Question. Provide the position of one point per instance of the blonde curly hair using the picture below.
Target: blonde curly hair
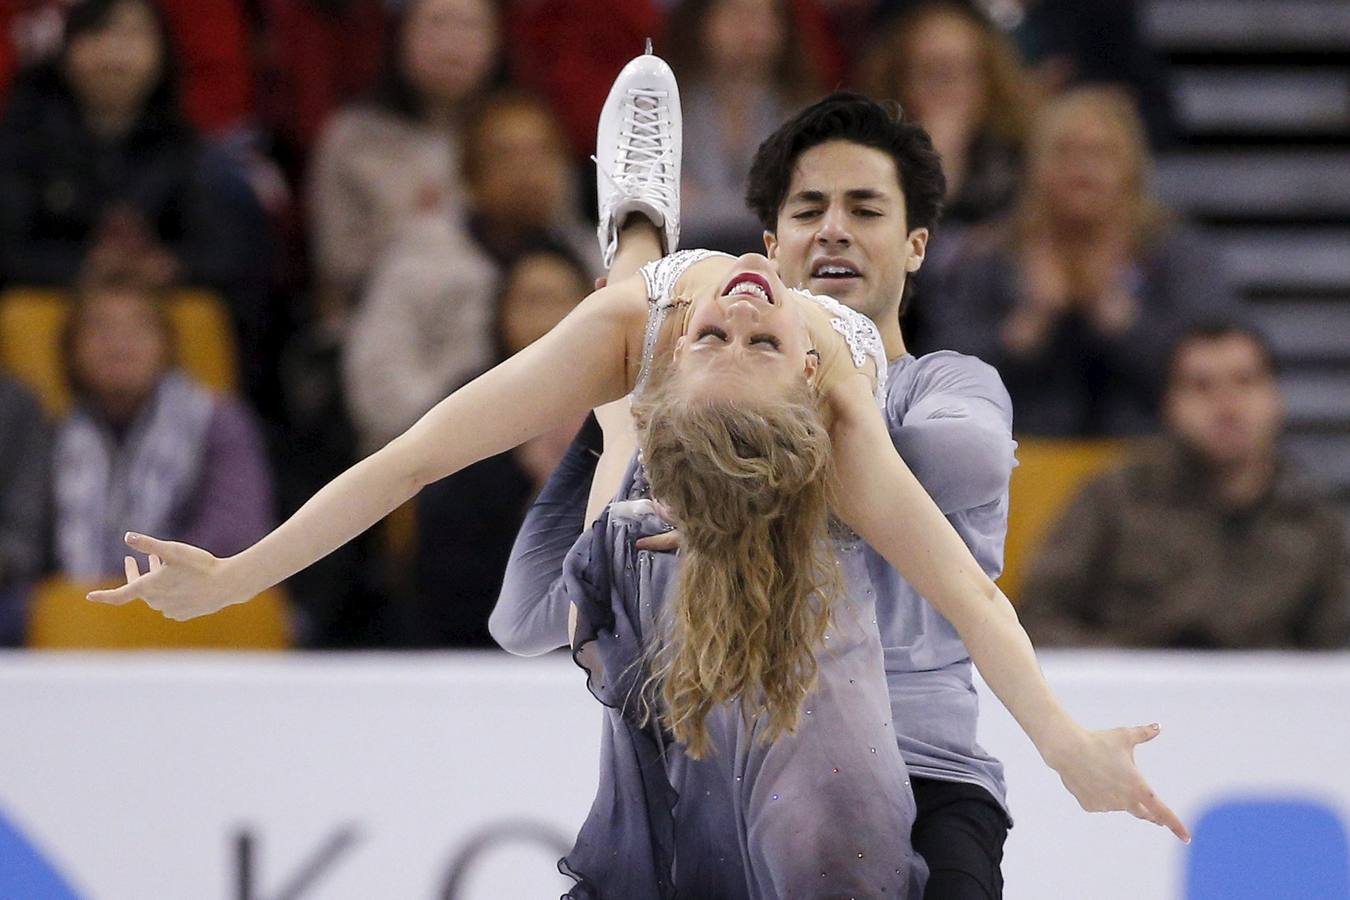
(749, 483)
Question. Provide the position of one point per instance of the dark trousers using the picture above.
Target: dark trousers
(959, 831)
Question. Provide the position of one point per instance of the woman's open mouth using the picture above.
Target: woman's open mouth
(750, 284)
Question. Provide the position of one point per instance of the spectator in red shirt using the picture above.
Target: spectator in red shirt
(210, 38)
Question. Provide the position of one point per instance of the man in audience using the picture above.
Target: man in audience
(1209, 539)
(25, 451)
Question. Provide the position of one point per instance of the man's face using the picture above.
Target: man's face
(842, 230)
(1223, 400)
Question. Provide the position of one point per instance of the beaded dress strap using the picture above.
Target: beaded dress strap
(660, 277)
(861, 335)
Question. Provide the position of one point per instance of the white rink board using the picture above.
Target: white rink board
(1234, 725)
(135, 773)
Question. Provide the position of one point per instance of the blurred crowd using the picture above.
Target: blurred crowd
(385, 197)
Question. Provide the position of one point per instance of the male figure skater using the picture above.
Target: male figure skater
(848, 191)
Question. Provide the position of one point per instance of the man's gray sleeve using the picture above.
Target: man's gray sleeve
(953, 427)
(530, 617)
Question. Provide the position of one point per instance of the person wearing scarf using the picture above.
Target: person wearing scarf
(145, 446)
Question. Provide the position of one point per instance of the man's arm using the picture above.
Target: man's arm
(530, 617)
(956, 434)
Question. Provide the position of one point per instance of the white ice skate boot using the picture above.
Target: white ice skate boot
(637, 152)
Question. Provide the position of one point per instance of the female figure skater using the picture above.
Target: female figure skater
(750, 750)
(763, 399)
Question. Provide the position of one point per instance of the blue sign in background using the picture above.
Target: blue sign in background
(1269, 848)
(25, 873)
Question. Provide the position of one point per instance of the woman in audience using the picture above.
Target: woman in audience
(742, 71)
(144, 443)
(961, 80)
(423, 325)
(381, 162)
(1076, 297)
(94, 141)
(466, 523)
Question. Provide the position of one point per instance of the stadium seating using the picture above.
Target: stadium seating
(32, 320)
(1048, 474)
(61, 618)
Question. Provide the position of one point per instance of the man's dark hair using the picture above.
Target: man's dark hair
(848, 116)
(1218, 329)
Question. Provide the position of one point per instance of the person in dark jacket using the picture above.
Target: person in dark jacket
(25, 452)
(94, 149)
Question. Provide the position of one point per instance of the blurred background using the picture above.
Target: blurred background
(244, 243)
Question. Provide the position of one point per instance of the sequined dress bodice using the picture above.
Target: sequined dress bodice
(827, 319)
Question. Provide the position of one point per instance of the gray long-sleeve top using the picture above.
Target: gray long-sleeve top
(530, 617)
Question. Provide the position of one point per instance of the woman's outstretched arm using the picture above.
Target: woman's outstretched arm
(880, 499)
(580, 364)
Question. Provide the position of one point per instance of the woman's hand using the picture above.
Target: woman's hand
(1045, 298)
(1098, 769)
(183, 581)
